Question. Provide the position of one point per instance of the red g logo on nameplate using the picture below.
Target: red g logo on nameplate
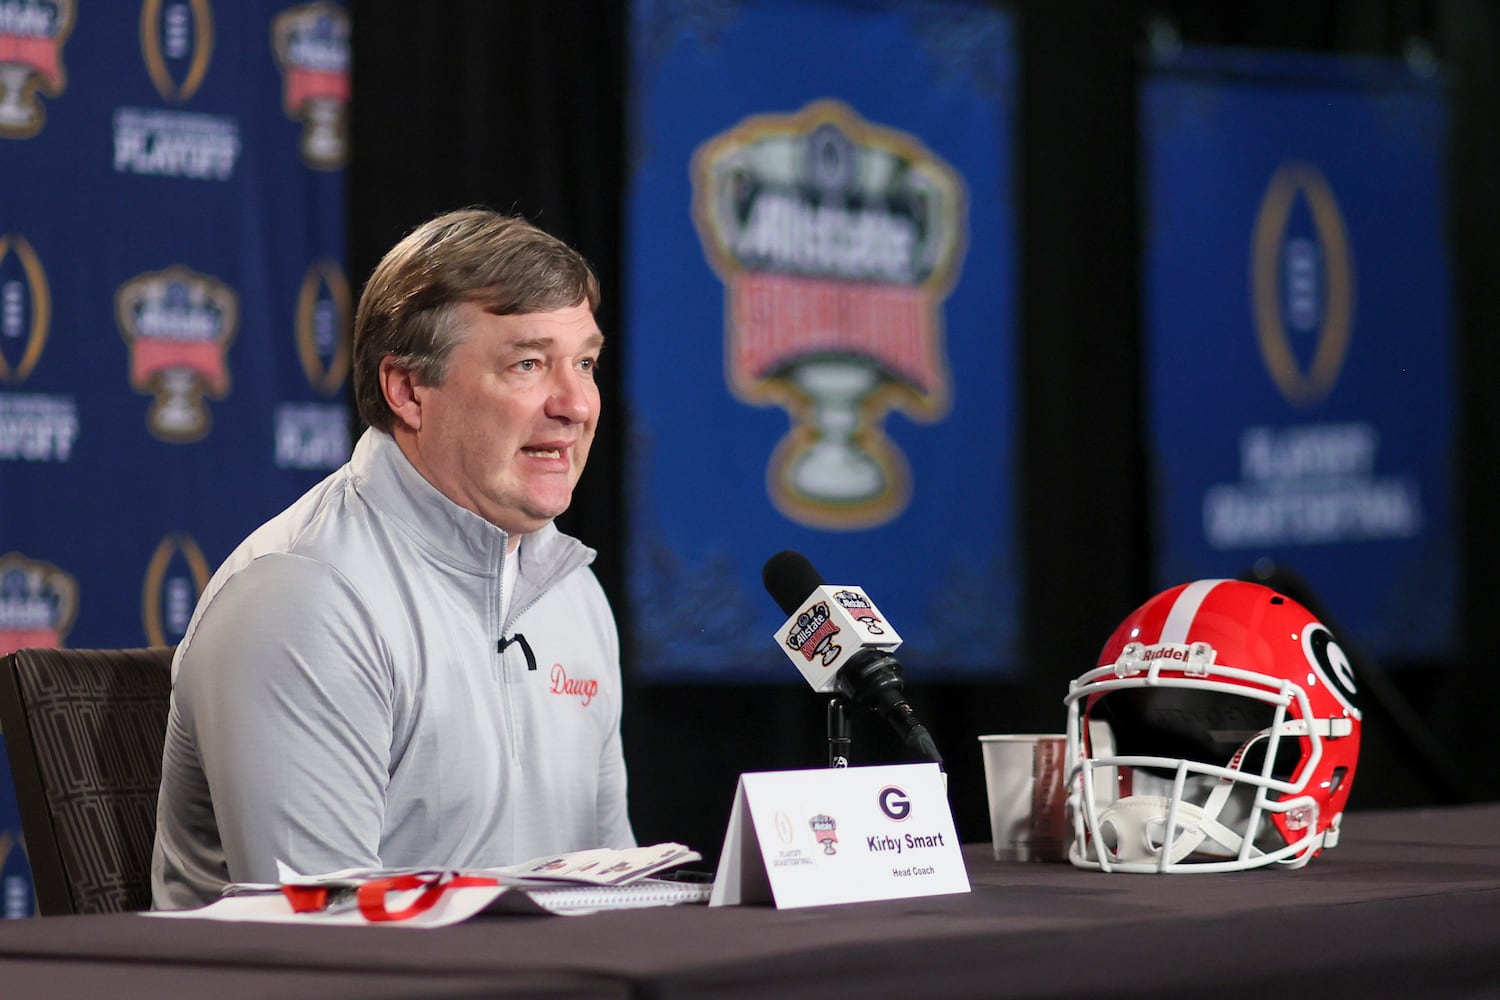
(32, 33)
(178, 324)
(837, 241)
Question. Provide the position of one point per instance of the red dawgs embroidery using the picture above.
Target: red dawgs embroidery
(562, 684)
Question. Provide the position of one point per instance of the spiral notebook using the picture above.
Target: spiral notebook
(575, 900)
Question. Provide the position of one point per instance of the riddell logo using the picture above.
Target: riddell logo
(1165, 653)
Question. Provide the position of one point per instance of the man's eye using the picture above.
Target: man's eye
(529, 365)
(588, 364)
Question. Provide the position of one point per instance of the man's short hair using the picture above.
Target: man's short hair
(408, 310)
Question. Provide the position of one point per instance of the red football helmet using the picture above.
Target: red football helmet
(1218, 733)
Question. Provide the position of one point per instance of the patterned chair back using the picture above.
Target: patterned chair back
(84, 730)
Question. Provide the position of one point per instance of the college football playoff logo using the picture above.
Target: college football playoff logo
(175, 577)
(25, 308)
(177, 42)
(1302, 275)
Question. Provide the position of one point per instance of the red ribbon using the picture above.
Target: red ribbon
(371, 895)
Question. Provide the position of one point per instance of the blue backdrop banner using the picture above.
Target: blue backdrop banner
(1299, 354)
(174, 312)
(820, 328)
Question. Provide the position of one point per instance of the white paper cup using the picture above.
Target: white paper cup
(1023, 774)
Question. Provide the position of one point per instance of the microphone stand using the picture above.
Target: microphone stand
(839, 739)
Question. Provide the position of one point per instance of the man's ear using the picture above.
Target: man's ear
(402, 388)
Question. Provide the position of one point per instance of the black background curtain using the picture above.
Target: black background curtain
(522, 106)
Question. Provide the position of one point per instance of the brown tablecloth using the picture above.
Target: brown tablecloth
(1408, 904)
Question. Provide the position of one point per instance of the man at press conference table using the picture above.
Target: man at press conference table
(411, 666)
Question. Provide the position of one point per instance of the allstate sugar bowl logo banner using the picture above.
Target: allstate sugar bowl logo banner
(1299, 375)
(836, 242)
(822, 324)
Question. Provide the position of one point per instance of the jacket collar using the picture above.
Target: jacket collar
(386, 479)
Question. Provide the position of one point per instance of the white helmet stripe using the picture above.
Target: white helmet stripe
(1184, 610)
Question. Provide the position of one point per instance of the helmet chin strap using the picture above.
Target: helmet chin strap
(1138, 825)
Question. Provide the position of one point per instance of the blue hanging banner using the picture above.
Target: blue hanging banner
(174, 312)
(820, 327)
(1299, 351)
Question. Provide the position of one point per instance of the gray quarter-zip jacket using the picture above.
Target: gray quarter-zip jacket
(341, 697)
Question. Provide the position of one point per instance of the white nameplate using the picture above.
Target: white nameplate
(839, 835)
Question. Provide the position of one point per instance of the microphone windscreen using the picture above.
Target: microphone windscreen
(790, 578)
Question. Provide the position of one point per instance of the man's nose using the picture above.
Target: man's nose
(572, 397)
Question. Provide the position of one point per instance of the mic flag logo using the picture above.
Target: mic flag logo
(177, 42)
(1302, 283)
(175, 577)
(23, 290)
(178, 324)
(32, 33)
(311, 44)
(38, 603)
(860, 609)
(837, 241)
(812, 635)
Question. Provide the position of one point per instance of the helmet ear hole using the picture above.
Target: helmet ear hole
(1108, 838)
(1337, 779)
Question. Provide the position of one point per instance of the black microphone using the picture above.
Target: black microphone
(840, 642)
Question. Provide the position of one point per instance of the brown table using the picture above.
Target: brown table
(1408, 905)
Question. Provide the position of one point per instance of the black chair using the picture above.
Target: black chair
(84, 730)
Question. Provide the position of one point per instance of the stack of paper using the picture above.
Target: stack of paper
(575, 883)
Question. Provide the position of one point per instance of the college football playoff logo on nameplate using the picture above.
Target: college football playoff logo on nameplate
(837, 241)
(178, 324)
